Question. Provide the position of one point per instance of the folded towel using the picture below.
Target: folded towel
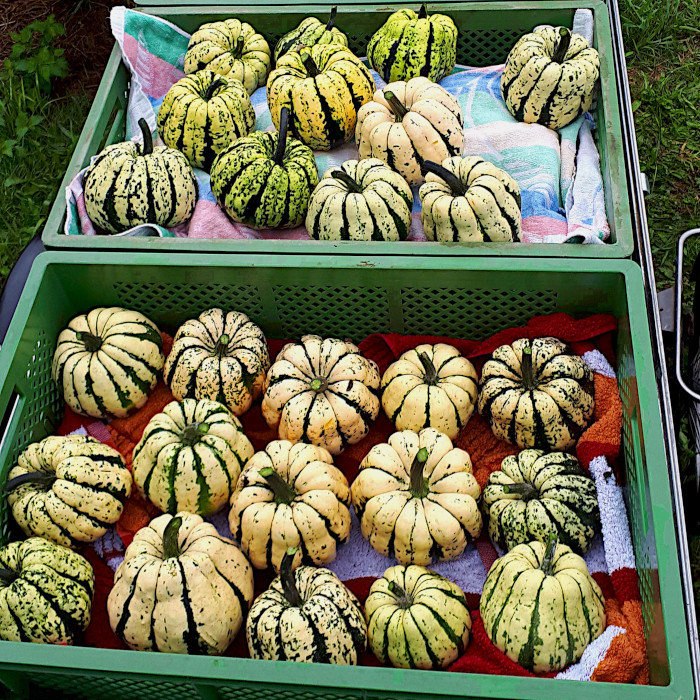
(558, 172)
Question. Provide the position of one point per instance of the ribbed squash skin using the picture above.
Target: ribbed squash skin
(114, 379)
(436, 392)
(84, 499)
(313, 516)
(311, 31)
(321, 391)
(190, 457)
(125, 187)
(431, 129)
(535, 495)
(328, 628)
(416, 619)
(323, 108)
(204, 113)
(217, 47)
(548, 410)
(485, 209)
(379, 211)
(543, 622)
(192, 603)
(201, 366)
(255, 190)
(49, 600)
(538, 89)
(417, 523)
(408, 46)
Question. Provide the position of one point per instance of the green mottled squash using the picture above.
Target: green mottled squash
(416, 619)
(467, 199)
(265, 180)
(310, 32)
(130, 184)
(231, 48)
(549, 77)
(106, 362)
(535, 495)
(412, 44)
(306, 615)
(45, 592)
(537, 393)
(204, 113)
(322, 87)
(541, 607)
(190, 457)
(360, 201)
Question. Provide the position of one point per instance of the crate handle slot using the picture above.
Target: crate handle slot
(679, 306)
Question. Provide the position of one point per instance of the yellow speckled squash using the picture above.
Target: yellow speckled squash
(431, 386)
(416, 498)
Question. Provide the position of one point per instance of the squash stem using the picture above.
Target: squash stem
(213, 86)
(237, 50)
(562, 45)
(331, 19)
(193, 433)
(7, 576)
(419, 487)
(147, 137)
(31, 478)
(348, 181)
(402, 598)
(526, 369)
(284, 493)
(397, 107)
(318, 384)
(458, 188)
(222, 345)
(288, 580)
(310, 65)
(548, 559)
(92, 342)
(171, 548)
(423, 12)
(282, 136)
(428, 368)
(526, 491)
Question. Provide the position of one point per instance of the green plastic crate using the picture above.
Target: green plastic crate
(348, 297)
(487, 31)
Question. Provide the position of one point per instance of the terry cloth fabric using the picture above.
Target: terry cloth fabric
(558, 172)
(618, 655)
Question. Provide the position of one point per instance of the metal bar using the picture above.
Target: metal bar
(644, 257)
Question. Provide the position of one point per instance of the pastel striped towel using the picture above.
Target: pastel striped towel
(558, 172)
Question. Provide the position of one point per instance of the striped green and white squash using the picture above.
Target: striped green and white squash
(130, 184)
(322, 87)
(535, 495)
(231, 48)
(549, 77)
(430, 386)
(190, 457)
(321, 391)
(290, 495)
(45, 592)
(310, 32)
(106, 362)
(218, 356)
(265, 180)
(306, 615)
(537, 393)
(541, 607)
(360, 201)
(407, 123)
(416, 498)
(416, 619)
(182, 588)
(467, 199)
(204, 113)
(412, 44)
(68, 489)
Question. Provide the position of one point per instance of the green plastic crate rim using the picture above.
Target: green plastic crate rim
(346, 297)
(488, 30)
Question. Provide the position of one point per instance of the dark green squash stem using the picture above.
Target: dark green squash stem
(428, 368)
(171, 548)
(213, 87)
(526, 491)
(310, 64)
(193, 433)
(348, 181)
(288, 580)
(284, 493)
(562, 45)
(147, 137)
(526, 369)
(282, 136)
(423, 12)
(397, 107)
(222, 345)
(402, 598)
(44, 480)
(548, 559)
(92, 342)
(237, 50)
(318, 384)
(419, 487)
(458, 188)
(331, 19)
